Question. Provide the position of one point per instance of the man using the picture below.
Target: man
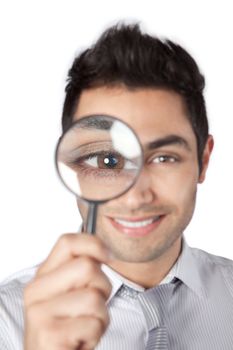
(136, 284)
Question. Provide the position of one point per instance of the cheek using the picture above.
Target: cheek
(175, 185)
(176, 188)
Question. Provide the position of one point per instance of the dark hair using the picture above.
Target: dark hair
(124, 55)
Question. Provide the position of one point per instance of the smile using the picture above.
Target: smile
(142, 223)
(135, 227)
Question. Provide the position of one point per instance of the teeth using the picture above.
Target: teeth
(136, 223)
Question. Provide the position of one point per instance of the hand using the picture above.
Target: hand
(65, 304)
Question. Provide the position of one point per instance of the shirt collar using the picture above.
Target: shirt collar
(187, 268)
(118, 280)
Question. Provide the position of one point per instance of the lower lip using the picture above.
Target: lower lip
(137, 231)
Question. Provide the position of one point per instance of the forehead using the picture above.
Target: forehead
(152, 113)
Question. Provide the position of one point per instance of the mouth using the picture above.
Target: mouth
(136, 227)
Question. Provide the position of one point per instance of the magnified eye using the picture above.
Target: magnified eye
(109, 161)
(105, 161)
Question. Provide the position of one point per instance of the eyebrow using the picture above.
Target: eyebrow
(167, 141)
(95, 122)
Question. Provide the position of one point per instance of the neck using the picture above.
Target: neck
(151, 273)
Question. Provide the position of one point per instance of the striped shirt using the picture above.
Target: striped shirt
(199, 313)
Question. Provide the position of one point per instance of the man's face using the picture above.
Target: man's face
(144, 223)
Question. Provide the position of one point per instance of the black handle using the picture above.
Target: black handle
(91, 218)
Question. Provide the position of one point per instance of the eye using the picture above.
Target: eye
(164, 159)
(109, 161)
(105, 161)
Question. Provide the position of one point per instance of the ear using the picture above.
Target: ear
(206, 157)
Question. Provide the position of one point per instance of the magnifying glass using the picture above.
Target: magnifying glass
(98, 158)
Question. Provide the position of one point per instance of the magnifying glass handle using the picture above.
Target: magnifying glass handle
(91, 218)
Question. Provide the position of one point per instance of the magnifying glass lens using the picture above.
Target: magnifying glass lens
(99, 158)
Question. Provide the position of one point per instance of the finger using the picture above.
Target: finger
(77, 273)
(81, 333)
(83, 302)
(72, 333)
(73, 245)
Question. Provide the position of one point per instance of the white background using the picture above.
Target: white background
(38, 42)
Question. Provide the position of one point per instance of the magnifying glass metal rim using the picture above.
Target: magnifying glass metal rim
(113, 118)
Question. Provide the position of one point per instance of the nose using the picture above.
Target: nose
(141, 193)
